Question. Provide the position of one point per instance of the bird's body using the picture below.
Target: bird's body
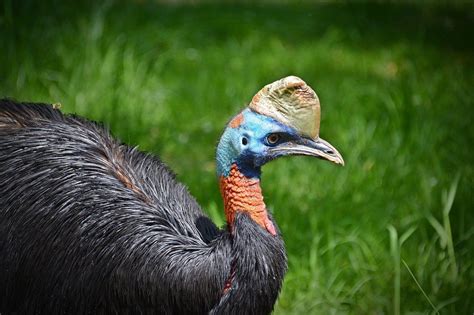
(91, 226)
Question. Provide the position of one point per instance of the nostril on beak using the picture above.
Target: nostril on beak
(329, 151)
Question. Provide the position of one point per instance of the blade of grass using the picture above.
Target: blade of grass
(448, 204)
(419, 287)
(395, 252)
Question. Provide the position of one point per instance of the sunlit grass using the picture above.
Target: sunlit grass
(395, 84)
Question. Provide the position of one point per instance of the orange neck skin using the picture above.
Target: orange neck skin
(242, 194)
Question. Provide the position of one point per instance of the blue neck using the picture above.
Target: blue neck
(227, 155)
(229, 151)
(249, 171)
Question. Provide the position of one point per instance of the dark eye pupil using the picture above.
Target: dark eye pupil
(244, 141)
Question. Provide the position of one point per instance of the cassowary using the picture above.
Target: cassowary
(91, 226)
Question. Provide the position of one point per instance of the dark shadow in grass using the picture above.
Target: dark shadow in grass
(366, 25)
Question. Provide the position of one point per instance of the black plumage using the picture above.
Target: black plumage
(91, 226)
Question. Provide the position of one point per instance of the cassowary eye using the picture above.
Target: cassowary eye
(244, 141)
(273, 138)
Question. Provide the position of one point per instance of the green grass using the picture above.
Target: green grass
(392, 231)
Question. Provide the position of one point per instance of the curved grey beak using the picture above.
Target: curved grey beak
(318, 148)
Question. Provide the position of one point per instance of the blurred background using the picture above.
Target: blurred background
(389, 233)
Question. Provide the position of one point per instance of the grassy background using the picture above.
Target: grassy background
(392, 231)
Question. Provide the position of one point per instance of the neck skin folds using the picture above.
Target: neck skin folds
(244, 194)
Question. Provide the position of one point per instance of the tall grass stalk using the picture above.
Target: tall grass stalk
(395, 251)
(435, 309)
(448, 199)
(444, 230)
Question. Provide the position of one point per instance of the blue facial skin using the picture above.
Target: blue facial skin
(247, 145)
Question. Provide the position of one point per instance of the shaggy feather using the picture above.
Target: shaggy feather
(89, 226)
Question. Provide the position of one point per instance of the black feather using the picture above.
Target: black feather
(91, 226)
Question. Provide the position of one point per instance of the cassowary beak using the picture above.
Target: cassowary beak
(318, 148)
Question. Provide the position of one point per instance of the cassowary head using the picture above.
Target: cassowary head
(281, 120)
